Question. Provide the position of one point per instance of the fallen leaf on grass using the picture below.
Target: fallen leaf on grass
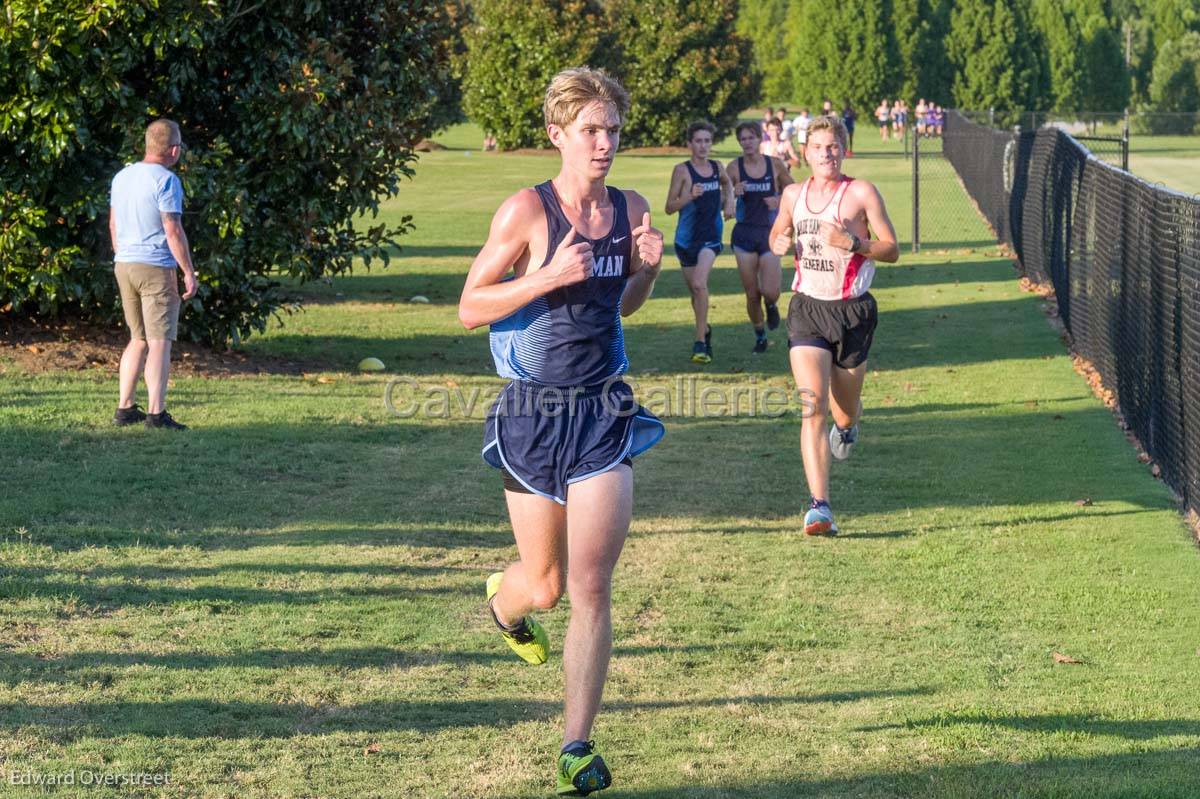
(1059, 657)
(373, 749)
(325, 380)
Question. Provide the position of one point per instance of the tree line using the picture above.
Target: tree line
(1010, 55)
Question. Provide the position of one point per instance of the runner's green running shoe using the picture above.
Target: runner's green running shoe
(581, 771)
(529, 639)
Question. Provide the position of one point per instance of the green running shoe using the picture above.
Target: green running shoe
(580, 774)
(529, 639)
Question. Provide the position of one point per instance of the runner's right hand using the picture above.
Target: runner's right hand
(572, 263)
(697, 191)
(782, 243)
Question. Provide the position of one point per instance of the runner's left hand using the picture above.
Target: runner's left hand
(649, 243)
(836, 236)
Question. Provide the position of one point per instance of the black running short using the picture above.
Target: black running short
(844, 327)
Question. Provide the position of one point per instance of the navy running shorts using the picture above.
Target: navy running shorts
(548, 437)
(844, 327)
(690, 256)
(751, 238)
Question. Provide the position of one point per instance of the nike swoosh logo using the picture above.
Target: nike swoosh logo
(618, 241)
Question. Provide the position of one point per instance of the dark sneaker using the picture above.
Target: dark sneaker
(700, 353)
(126, 416)
(164, 421)
(760, 346)
(772, 316)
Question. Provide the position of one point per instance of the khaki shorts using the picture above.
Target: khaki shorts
(150, 297)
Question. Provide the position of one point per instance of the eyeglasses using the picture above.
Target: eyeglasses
(182, 147)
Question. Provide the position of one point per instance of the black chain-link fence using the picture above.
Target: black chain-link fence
(1124, 259)
(944, 216)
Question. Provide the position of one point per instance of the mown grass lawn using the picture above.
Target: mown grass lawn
(286, 601)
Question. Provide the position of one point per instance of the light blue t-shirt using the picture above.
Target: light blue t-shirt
(141, 192)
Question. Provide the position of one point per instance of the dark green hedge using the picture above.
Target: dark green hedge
(301, 116)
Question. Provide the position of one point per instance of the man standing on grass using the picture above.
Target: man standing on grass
(840, 228)
(149, 244)
(563, 262)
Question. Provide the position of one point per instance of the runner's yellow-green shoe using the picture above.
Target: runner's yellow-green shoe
(581, 770)
(528, 640)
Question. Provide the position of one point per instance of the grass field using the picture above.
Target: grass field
(286, 601)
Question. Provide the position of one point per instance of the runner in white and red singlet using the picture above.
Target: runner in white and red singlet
(840, 228)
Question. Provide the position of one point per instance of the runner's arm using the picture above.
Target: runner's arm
(883, 246)
(783, 175)
(728, 200)
(781, 231)
(679, 194)
(486, 296)
(647, 254)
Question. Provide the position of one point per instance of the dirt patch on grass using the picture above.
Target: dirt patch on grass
(66, 346)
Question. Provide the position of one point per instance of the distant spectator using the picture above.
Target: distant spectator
(849, 117)
(775, 146)
(883, 115)
(800, 127)
(921, 111)
(782, 116)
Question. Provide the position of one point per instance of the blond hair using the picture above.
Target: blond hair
(571, 90)
(161, 136)
(829, 123)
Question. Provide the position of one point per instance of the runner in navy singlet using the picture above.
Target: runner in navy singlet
(757, 182)
(563, 262)
(702, 194)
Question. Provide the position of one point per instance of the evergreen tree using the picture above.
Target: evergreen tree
(1064, 51)
(920, 28)
(844, 52)
(994, 51)
(1107, 86)
(764, 24)
(681, 60)
(513, 50)
(1176, 83)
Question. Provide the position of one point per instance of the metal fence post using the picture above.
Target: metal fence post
(1125, 145)
(916, 194)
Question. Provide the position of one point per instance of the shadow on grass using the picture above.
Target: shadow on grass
(92, 666)
(214, 719)
(313, 485)
(1169, 774)
(1061, 723)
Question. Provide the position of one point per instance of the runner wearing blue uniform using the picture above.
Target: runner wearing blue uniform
(757, 182)
(563, 262)
(702, 194)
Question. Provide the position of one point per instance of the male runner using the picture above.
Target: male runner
(563, 261)
(757, 182)
(840, 228)
(701, 192)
